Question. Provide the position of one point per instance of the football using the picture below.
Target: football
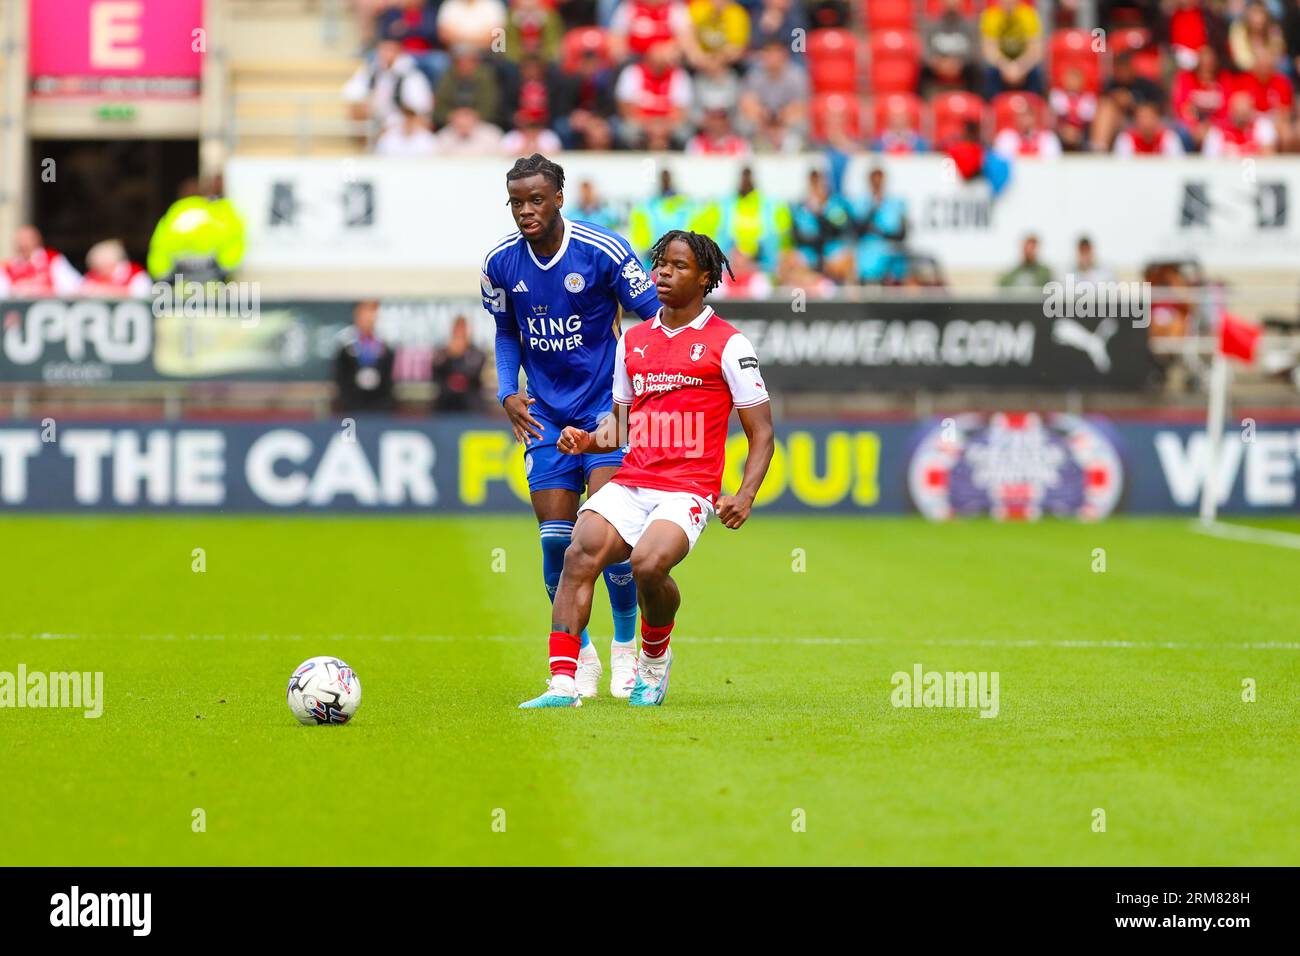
(324, 690)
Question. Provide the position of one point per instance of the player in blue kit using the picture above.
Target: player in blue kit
(555, 288)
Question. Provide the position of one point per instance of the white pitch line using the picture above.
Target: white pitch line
(690, 639)
(1237, 532)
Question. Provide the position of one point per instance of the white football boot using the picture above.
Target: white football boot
(651, 680)
(622, 668)
(589, 671)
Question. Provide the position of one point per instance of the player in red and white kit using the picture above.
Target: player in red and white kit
(676, 379)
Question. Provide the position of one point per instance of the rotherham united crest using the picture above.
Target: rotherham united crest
(638, 384)
(697, 351)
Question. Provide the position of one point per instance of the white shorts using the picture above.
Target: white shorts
(630, 510)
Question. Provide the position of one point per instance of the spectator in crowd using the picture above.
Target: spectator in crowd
(110, 274)
(716, 137)
(1243, 133)
(899, 136)
(1200, 96)
(1255, 37)
(755, 222)
(1028, 273)
(35, 271)
(666, 211)
(1123, 93)
(1012, 47)
(745, 281)
(1170, 310)
(721, 32)
(1272, 95)
(470, 84)
(384, 83)
(1026, 136)
(534, 93)
(715, 87)
(529, 136)
(1148, 135)
(824, 14)
(410, 136)
(1191, 28)
(793, 272)
(774, 100)
(654, 97)
(950, 50)
(533, 29)
(466, 134)
(590, 207)
(880, 223)
(200, 235)
(414, 24)
(1075, 107)
(363, 365)
(584, 103)
(472, 23)
(1086, 268)
(777, 20)
(638, 25)
(822, 229)
(576, 13)
(458, 372)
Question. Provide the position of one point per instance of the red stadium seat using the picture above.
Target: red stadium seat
(581, 40)
(895, 61)
(884, 105)
(1073, 48)
(827, 106)
(952, 111)
(1136, 41)
(833, 61)
(1007, 105)
(887, 14)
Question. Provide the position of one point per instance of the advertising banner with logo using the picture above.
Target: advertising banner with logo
(1011, 466)
(379, 212)
(144, 48)
(827, 346)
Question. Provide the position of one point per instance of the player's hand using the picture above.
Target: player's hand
(733, 510)
(522, 422)
(573, 440)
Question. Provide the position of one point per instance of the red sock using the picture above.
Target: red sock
(564, 653)
(654, 640)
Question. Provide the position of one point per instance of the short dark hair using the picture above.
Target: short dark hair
(537, 165)
(707, 254)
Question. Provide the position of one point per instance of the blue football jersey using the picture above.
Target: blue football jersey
(564, 312)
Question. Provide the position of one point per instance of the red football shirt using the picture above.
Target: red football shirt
(681, 385)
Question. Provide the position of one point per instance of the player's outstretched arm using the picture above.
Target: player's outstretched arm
(733, 510)
(608, 435)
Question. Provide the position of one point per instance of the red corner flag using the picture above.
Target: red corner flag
(1237, 337)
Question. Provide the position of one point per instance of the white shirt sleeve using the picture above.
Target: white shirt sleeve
(680, 89)
(628, 89)
(1265, 132)
(1170, 144)
(66, 279)
(740, 368)
(622, 384)
(357, 89)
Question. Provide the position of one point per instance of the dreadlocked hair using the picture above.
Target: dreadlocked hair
(710, 258)
(537, 165)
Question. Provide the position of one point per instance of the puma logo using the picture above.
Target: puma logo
(1093, 344)
(640, 349)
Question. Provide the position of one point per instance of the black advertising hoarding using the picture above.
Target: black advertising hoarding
(829, 346)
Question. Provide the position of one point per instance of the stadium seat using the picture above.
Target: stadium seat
(833, 61)
(845, 105)
(1145, 53)
(884, 105)
(895, 61)
(1007, 105)
(1073, 48)
(579, 41)
(887, 14)
(952, 111)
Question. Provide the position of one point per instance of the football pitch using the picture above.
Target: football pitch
(1120, 698)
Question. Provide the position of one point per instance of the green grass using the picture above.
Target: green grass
(780, 698)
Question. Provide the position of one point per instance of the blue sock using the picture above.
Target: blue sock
(555, 539)
(622, 600)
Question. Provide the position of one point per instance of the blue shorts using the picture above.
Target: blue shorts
(547, 467)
